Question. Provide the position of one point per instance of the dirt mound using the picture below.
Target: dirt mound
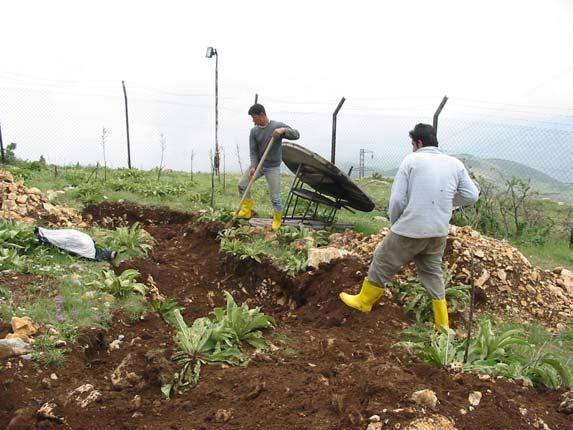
(506, 281)
(112, 214)
(30, 205)
(327, 367)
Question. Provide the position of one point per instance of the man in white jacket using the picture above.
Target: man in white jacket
(427, 186)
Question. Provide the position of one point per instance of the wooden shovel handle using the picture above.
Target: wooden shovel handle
(252, 180)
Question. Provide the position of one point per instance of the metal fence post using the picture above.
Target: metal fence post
(437, 114)
(333, 148)
(126, 125)
(2, 146)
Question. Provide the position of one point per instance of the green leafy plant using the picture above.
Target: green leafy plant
(210, 215)
(202, 197)
(215, 341)
(135, 306)
(290, 234)
(89, 193)
(165, 308)
(17, 236)
(10, 260)
(130, 174)
(489, 346)
(5, 293)
(129, 241)
(118, 286)
(520, 352)
(415, 298)
(293, 262)
(254, 250)
(242, 323)
(196, 347)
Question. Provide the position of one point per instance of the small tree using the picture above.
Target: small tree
(239, 160)
(517, 192)
(192, 157)
(163, 143)
(103, 140)
(10, 153)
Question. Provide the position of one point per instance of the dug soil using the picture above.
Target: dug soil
(327, 367)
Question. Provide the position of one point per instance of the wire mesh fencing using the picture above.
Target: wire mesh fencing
(68, 123)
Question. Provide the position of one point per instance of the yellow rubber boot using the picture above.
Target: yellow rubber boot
(369, 294)
(440, 314)
(277, 220)
(245, 212)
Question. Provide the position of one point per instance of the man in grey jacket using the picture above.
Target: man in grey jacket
(427, 186)
(260, 135)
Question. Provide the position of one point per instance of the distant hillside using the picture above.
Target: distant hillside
(498, 170)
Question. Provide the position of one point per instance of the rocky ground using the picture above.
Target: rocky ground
(30, 205)
(507, 284)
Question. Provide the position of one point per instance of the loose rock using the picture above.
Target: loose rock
(425, 398)
(475, 398)
(435, 422)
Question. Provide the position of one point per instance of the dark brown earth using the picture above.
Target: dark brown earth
(328, 367)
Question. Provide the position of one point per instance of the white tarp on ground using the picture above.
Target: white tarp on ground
(73, 241)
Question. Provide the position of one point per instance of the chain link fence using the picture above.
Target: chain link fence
(64, 122)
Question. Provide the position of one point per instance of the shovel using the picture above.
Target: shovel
(252, 181)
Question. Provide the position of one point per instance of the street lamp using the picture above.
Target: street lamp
(209, 54)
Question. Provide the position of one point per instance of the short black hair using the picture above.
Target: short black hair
(426, 133)
(256, 109)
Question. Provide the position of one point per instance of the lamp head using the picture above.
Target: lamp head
(210, 52)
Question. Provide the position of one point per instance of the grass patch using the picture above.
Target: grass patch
(549, 255)
(45, 353)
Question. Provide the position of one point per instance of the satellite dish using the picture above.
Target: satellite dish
(324, 177)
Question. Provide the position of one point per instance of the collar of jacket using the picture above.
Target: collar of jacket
(429, 149)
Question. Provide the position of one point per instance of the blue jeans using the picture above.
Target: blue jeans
(273, 177)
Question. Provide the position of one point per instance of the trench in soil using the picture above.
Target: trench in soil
(329, 367)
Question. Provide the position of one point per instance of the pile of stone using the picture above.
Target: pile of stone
(513, 288)
(30, 205)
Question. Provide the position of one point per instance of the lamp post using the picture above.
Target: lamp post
(209, 54)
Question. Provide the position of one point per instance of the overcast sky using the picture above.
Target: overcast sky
(301, 57)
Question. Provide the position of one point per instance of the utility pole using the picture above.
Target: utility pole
(126, 125)
(361, 168)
